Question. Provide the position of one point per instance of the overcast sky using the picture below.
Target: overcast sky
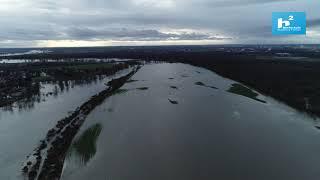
(45, 23)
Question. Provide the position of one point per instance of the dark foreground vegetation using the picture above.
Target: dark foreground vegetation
(59, 138)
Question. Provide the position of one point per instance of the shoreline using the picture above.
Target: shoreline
(22, 81)
(47, 160)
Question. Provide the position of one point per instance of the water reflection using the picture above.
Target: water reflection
(244, 91)
(35, 119)
(85, 146)
(51, 88)
(196, 132)
(29, 102)
(24, 104)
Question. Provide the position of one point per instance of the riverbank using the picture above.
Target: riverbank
(22, 80)
(47, 160)
(292, 79)
(294, 83)
(206, 135)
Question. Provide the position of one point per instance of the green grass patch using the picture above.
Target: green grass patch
(85, 146)
(120, 91)
(244, 91)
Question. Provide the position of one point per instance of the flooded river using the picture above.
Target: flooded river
(27, 122)
(170, 121)
(176, 121)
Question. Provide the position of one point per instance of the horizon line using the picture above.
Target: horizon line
(169, 45)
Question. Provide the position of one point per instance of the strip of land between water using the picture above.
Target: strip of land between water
(47, 160)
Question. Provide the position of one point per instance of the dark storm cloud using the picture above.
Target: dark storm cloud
(148, 20)
(29, 34)
(87, 33)
(126, 34)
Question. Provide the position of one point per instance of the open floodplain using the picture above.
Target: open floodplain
(168, 121)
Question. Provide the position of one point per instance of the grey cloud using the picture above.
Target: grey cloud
(35, 20)
(87, 33)
(138, 35)
(21, 44)
(313, 23)
(29, 33)
(228, 3)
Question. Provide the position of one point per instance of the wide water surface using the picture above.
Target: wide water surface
(176, 121)
(26, 122)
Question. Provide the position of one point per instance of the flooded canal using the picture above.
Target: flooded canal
(176, 121)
